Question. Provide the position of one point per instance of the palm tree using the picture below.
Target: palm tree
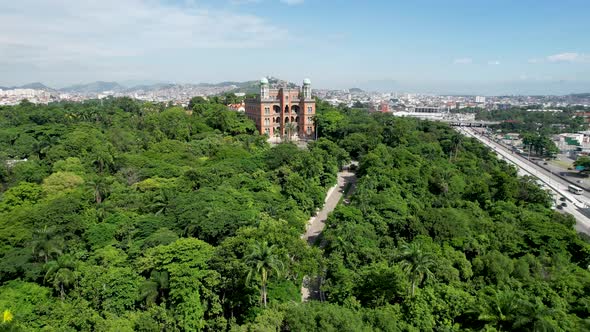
(61, 274)
(99, 187)
(289, 129)
(263, 263)
(45, 244)
(537, 318)
(103, 160)
(416, 263)
(499, 310)
(153, 289)
(42, 146)
(161, 201)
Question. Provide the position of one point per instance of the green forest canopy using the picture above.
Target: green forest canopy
(130, 216)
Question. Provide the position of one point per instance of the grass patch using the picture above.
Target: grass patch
(561, 163)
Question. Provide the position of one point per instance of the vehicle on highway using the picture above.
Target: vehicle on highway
(575, 190)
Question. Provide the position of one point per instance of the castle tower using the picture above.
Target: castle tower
(264, 89)
(307, 88)
(283, 113)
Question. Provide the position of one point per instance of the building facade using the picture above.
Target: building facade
(283, 112)
(240, 107)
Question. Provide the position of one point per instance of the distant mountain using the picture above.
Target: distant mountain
(580, 95)
(147, 86)
(489, 88)
(356, 90)
(94, 87)
(221, 84)
(35, 86)
(254, 86)
(150, 87)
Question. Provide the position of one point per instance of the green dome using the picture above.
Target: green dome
(307, 81)
(264, 80)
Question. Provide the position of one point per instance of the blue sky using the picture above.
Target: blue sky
(437, 46)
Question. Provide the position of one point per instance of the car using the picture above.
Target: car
(562, 199)
(564, 204)
(545, 163)
(580, 181)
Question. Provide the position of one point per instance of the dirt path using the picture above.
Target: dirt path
(316, 224)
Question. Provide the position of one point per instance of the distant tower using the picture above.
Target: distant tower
(264, 88)
(307, 88)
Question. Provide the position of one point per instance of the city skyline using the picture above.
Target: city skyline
(500, 47)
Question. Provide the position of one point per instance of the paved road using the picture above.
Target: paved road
(311, 286)
(561, 174)
(316, 224)
(553, 181)
(547, 176)
(572, 175)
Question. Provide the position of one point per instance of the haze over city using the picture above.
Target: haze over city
(443, 47)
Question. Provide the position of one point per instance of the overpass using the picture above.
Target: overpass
(473, 123)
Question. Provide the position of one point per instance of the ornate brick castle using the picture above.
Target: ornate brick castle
(283, 113)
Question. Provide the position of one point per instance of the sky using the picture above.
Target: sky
(431, 46)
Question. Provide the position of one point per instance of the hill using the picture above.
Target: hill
(94, 87)
(34, 85)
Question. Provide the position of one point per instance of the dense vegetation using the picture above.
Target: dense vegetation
(137, 216)
(520, 120)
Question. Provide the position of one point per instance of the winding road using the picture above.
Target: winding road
(315, 226)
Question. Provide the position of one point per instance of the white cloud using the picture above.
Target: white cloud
(493, 62)
(60, 31)
(571, 57)
(292, 2)
(463, 61)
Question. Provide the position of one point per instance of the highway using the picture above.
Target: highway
(552, 181)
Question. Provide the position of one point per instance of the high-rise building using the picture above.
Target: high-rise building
(283, 112)
(480, 100)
